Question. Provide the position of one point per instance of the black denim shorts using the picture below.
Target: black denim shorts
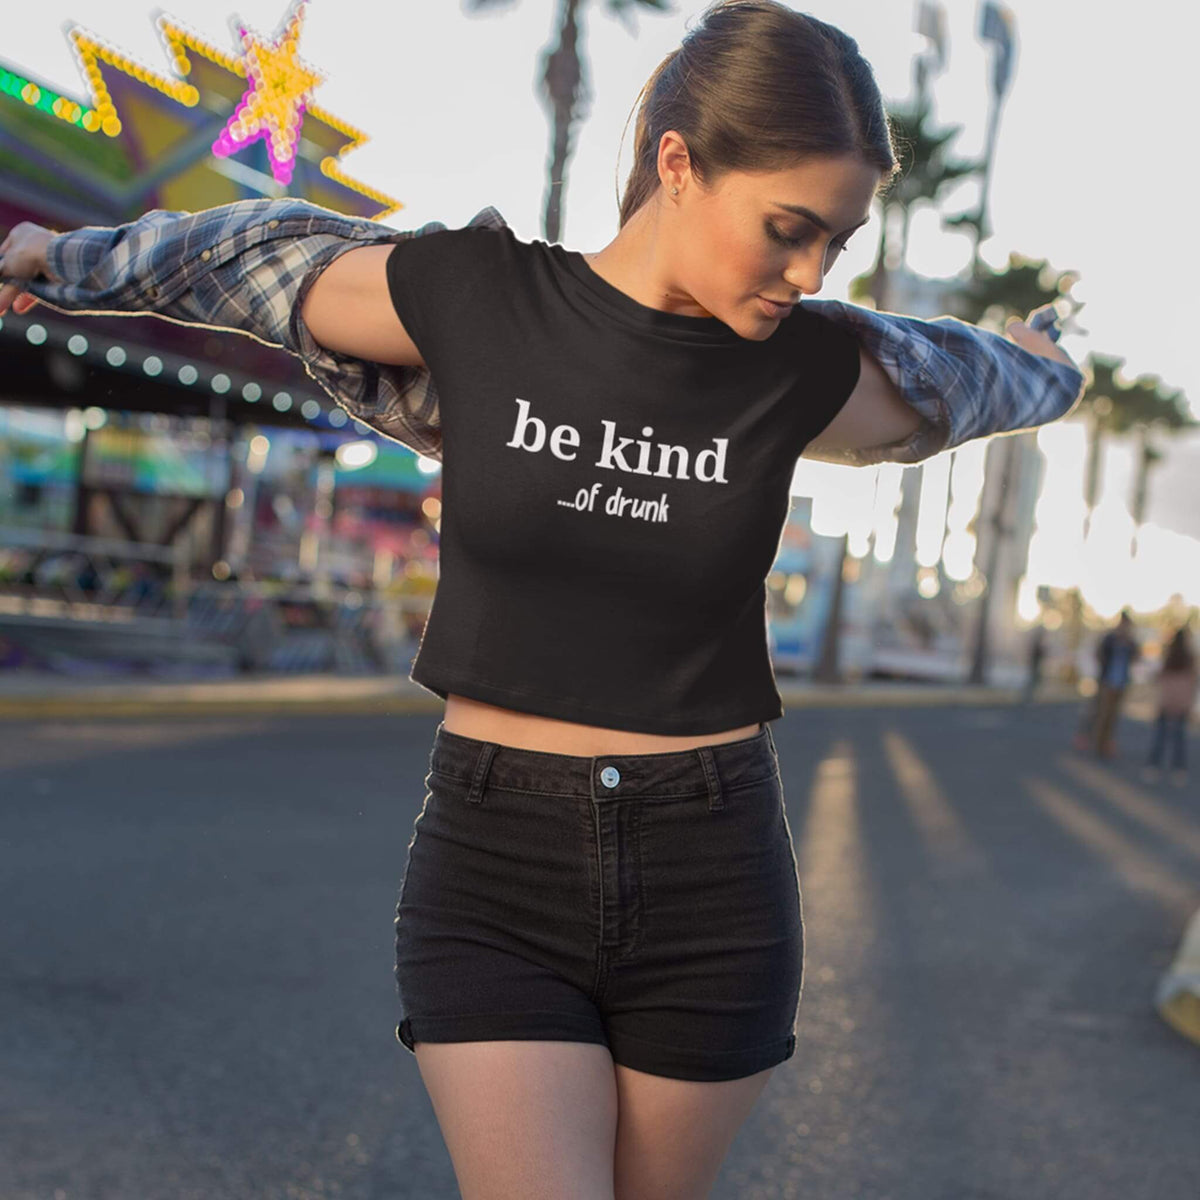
(647, 902)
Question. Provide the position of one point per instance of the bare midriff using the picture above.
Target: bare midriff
(491, 723)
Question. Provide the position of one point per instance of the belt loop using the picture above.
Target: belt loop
(709, 766)
(482, 766)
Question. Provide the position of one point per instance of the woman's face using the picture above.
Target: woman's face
(765, 235)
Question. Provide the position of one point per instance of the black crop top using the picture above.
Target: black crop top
(615, 483)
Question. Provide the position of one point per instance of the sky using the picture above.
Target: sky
(1093, 164)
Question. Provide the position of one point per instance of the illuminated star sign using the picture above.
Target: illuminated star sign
(272, 107)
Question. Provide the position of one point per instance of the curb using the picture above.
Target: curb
(869, 697)
(36, 708)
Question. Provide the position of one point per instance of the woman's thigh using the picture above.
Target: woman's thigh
(674, 1134)
(524, 1120)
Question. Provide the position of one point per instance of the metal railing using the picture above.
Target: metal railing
(67, 599)
(70, 574)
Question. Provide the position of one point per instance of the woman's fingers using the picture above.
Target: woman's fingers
(1035, 341)
(23, 251)
(22, 257)
(12, 297)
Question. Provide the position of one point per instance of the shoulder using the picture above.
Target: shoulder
(818, 326)
(455, 260)
(821, 344)
(486, 229)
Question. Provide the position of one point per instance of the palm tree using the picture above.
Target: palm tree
(928, 172)
(1146, 409)
(1115, 406)
(565, 89)
(1105, 397)
(990, 298)
(1170, 419)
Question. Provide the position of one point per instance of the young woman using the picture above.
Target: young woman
(1178, 680)
(599, 935)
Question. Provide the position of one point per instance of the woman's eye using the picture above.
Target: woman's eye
(783, 238)
(779, 236)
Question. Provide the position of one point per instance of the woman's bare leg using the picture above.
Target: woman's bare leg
(673, 1134)
(524, 1120)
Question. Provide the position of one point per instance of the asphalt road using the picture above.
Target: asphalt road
(196, 992)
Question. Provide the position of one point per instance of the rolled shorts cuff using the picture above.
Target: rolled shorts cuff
(704, 1063)
(533, 1025)
(654, 1058)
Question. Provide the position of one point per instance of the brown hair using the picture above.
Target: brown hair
(757, 86)
(1179, 656)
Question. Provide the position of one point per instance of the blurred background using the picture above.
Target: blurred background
(184, 503)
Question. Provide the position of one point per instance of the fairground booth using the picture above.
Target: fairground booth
(173, 496)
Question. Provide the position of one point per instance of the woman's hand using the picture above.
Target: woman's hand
(1034, 340)
(22, 257)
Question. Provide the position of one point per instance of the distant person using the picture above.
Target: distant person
(1037, 652)
(1117, 652)
(1177, 682)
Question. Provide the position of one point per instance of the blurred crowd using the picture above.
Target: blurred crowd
(1175, 679)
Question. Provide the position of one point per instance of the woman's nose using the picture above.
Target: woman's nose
(807, 277)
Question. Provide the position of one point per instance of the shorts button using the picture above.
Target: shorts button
(272, 224)
(206, 255)
(610, 777)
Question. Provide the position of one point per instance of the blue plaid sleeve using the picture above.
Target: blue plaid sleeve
(247, 266)
(964, 381)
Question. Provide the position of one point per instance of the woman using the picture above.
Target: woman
(1116, 654)
(599, 935)
(1177, 684)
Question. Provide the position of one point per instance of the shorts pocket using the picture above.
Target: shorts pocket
(723, 875)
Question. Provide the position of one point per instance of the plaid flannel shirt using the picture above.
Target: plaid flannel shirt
(248, 265)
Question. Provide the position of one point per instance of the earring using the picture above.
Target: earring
(674, 191)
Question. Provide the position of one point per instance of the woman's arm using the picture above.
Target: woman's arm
(251, 266)
(874, 425)
(928, 386)
(348, 309)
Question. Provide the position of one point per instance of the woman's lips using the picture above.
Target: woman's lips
(775, 310)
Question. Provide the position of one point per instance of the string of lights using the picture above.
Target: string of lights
(273, 106)
(225, 382)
